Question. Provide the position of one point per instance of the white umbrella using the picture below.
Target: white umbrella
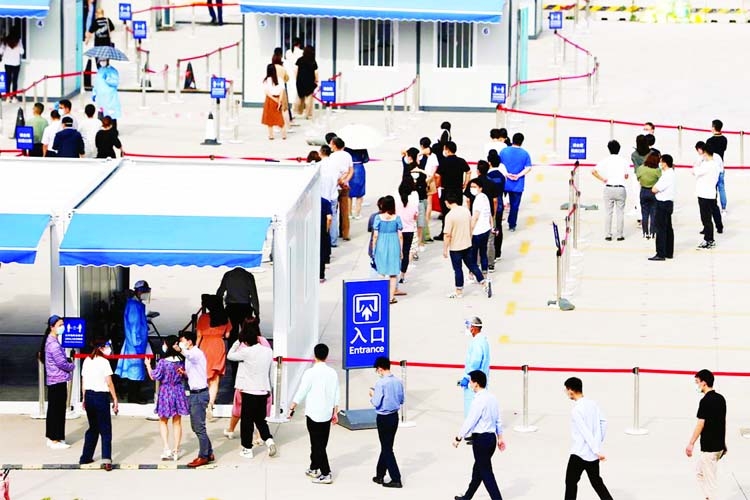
(357, 136)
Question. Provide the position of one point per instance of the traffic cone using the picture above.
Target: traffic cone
(210, 139)
(20, 122)
(189, 78)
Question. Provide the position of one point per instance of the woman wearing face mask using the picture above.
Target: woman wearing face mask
(58, 372)
(481, 224)
(213, 327)
(97, 387)
(407, 207)
(387, 242)
(172, 402)
(413, 169)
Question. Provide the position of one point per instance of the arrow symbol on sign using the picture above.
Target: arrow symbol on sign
(367, 312)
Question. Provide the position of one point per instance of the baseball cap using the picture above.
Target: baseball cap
(142, 286)
(67, 120)
(53, 319)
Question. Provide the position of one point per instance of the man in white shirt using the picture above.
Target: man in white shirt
(48, 137)
(498, 138)
(344, 163)
(613, 172)
(66, 109)
(290, 64)
(706, 173)
(664, 189)
(330, 175)
(320, 389)
(588, 430)
(88, 128)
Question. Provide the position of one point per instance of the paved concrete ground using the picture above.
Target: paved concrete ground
(683, 314)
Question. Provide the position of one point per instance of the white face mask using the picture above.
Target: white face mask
(183, 345)
(164, 349)
(415, 176)
(146, 297)
(60, 330)
(106, 350)
(474, 191)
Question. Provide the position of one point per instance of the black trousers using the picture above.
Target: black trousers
(664, 231)
(11, 75)
(36, 150)
(405, 248)
(237, 314)
(253, 414)
(706, 207)
(499, 226)
(57, 399)
(387, 427)
(576, 466)
(319, 433)
(716, 214)
(483, 445)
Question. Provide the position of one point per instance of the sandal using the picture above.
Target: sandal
(456, 295)
(399, 293)
(394, 301)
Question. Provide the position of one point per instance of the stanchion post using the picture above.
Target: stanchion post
(575, 13)
(143, 92)
(637, 430)
(45, 90)
(404, 421)
(679, 141)
(393, 114)
(221, 62)
(278, 416)
(239, 53)
(565, 49)
(138, 62)
(177, 87)
(415, 96)
(589, 89)
(36, 93)
(559, 92)
(742, 148)
(555, 49)
(82, 92)
(385, 115)
(41, 413)
(166, 83)
(208, 72)
(525, 427)
(576, 220)
(611, 130)
(554, 134)
(192, 21)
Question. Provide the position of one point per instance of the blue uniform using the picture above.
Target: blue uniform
(136, 341)
(105, 92)
(477, 358)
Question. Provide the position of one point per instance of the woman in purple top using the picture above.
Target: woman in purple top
(171, 401)
(59, 369)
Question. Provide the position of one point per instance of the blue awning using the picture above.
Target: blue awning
(20, 235)
(476, 11)
(139, 240)
(24, 8)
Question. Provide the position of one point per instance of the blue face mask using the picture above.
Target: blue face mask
(60, 330)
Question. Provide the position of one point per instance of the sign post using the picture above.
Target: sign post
(328, 95)
(218, 92)
(577, 148)
(25, 138)
(366, 337)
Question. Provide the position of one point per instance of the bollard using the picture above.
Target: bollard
(138, 75)
(278, 416)
(41, 411)
(636, 430)
(611, 130)
(166, 83)
(525, 427)
(44, 89)
(559, 92)
(554, 135)
(178, 86)
(742, 148)
(404, 421)
(679, 141)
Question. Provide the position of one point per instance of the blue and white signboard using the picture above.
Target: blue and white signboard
(24, 138)
(3, 85)
(577, 148)
(556, 20)
(126, 12)
(328, 91)
(218, 87)
(366, 322)
(140, 30)
(498, 93)
(74, 336)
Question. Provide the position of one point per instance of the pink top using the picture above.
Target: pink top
(408, 213)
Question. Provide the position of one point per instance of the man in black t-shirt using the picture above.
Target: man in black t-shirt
(718, 144)
(712, 429)
(453, 176)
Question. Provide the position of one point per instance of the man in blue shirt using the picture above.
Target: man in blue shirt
(484, 424)
(517, 163)
(477, 358)
(387, 397)
(69, 142)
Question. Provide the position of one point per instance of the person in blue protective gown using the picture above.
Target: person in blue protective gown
(477, 358)
(135, 325)
(105, 94)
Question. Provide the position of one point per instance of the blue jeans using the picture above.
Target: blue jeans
(335, 224)
(100, 424)
(459, 256)
(198, 405)
(722, 191)
(515, 204)
(479, 248)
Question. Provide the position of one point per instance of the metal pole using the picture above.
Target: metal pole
(575, 14)
(41, 413)
(347, 391)
(138, 61)
(217, 122)
(166, 83)
(44, 89)
(277, 417)
(125, 30)
(565, 49)
(221, 63)
(554, 134)
(36, 94)
(559, 92)
(192, 22)
(208, 71)
(576, 221)
(385, 115)
(404, 421)
(393, 114)
(177, 87)
(636, 430)
(611, 130)
(525, 427)
(143, 93)
(555, 49)
(559, 269)
(589, 90)
(83, 90)
(742, 148)
(679, 141)
(239, 62)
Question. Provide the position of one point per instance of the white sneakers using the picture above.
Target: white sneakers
(323, 479)
(246, 453)
(229, 434)
(167, 454)
(271, 447)
(312, 473)
(57, 445)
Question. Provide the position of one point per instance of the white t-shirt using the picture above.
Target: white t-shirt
(614, 168)
(329, 179)
(270, 89)
(720, 163)
(342, 161)
(496, 145)
(94, 373)
(431, 165)
(481, 205)
(48, 137)
(88, 129)
(706, 174)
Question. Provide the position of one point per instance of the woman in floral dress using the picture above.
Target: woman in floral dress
(171, 401)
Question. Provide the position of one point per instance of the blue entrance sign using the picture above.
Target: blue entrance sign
(140, 30)
(24, 138)
(218, 87)
(328, 91)
(577, 148)
(498, 93)
(556, 20)
(366, 322)
(74, 336)
(126, 12)
(3, 85)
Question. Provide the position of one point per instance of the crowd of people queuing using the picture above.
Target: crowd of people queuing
(653, 187)
(433, 178)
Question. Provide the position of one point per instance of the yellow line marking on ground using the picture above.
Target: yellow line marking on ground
(506, 340)
(530, 220)
(536, 198)
(32, 467)
(671, 312)
(543, 159)
(548, 140)
(539, 177)
(517, 277)
(640, 279)
(510, 309)
(525, 245)
(630, 250)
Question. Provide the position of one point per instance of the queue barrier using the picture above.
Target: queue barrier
(207, 59)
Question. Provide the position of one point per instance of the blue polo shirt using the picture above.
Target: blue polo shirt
(68, 143)
(515, 159)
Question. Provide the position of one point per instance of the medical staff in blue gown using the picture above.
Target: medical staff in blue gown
(477, 358)
(105, 93)
(135, 325)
